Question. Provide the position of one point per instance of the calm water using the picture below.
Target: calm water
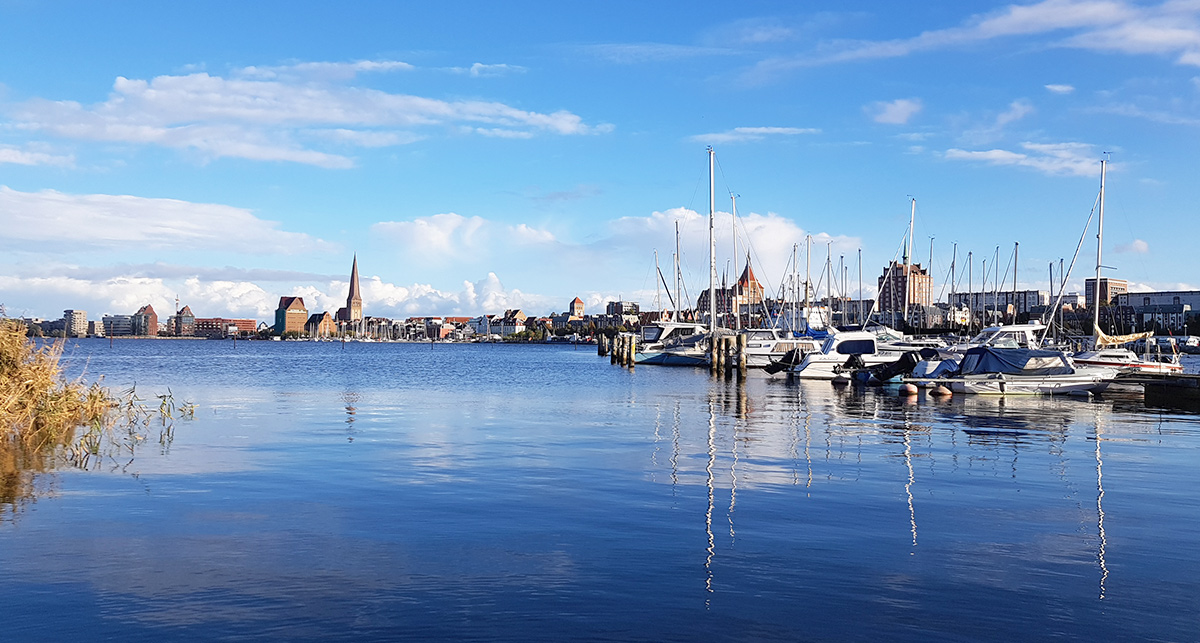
(388, 491)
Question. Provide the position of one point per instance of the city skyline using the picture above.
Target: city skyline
(527, 155)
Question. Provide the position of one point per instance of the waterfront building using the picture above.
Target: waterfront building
(1110, 289)
(95, 329)
(1161, 298)
(1011, 302)
(222, 327)
(353, 312)
(145, 321)
(290, 315)
(484, 325)
(320, 325)
(621, 308)
(575, 308)
(75, 323)
(182, 323)
(900, 283)
(117, 325)
(511, 323)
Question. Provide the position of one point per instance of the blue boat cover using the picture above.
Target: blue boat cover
(1014, 361)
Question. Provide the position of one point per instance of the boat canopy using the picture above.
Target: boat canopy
(1014, 361)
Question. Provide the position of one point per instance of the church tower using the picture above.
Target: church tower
(354, 300)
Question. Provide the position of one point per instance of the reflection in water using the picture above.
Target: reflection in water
(675, 450)
(912, 512)
(1100, 511)
(712, 459)
(733, 480)
(350, 399)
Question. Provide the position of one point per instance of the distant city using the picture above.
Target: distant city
(905, 301)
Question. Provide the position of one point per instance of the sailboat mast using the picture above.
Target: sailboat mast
(829, 283)
(912, 219)
(678, 301)
(712, 246)
(861, 322)
(733, 307)
(1099, 250)
(1016, 253)
(657, 292)
(807, 277)
(795, 287)
(970, 290)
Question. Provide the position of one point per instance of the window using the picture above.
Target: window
(1146, 301)
(1175, 301)
(857, 347)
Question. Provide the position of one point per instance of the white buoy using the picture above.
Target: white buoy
(908, 389)
(940, 391)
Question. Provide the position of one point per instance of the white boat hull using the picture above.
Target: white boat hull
(1079, 383)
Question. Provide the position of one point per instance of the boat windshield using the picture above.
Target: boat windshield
(651, 333)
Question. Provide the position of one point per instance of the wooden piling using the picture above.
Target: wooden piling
(741, 355)
(614, 353)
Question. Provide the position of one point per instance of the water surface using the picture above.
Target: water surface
(387, 491)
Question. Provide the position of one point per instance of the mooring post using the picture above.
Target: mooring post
(741, 355)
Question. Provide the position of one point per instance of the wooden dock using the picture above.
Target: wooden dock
(1177, 391)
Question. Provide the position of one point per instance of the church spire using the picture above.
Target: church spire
(354, 300)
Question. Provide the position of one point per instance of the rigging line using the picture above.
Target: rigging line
(1062, 289)
(1000, 284)
(946, 281)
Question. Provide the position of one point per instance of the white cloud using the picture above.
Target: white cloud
(479, 70)
(451, 237)
(1169, 28)
(752, 134)
(1137, 246)
(1060, 89)
(46, 296)
(329, 71)
(632, 53)
(896, 112)
(770, 236)
(10, 154)
(264, 114)
(54, 219)
(1016, 111)
(1074, 159)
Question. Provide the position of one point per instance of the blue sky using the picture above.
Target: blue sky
(480, 156)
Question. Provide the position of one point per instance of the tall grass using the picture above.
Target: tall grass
(46, 418)
(39, 407)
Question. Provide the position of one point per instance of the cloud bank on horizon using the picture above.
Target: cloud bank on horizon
(478, 175)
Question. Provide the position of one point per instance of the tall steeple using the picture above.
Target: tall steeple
(354, 300)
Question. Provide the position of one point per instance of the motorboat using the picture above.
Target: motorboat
(673, 344)
(986, 370)
(845, 351)
(1127, 361)
(765, 345)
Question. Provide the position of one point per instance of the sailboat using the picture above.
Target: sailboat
(1108, 350)
(684, 344)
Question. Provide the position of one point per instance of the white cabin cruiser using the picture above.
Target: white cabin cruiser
(1024, 371)
(857, 348)
(764, 345)
(669, 343)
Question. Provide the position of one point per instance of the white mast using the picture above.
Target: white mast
(712, 247)
(795, 287)
(861, 321)
(733, 307)
(807, 278)
(912, 219)
(1099, 250)
(828, 283)
(678, 301)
